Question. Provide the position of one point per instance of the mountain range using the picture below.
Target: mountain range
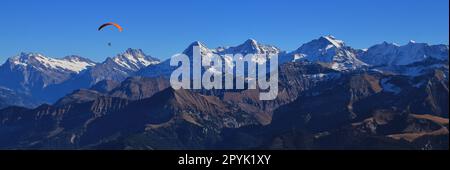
(331, 96)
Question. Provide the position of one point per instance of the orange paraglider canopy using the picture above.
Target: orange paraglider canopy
(111, 23)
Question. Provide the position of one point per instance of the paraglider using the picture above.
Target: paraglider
(110, 24)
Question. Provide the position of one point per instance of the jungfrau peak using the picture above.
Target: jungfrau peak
(329, 50)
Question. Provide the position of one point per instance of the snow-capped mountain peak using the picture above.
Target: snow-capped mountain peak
(328, 49)
(322, 44)
(250, 46)
(202, 46)
(393, 54)
(198, 43)
(203, 49)
(333, 41)
(387, 44)
(80, 60)
(134, 52)
(70, 63)
(19, 60)
(134, 59)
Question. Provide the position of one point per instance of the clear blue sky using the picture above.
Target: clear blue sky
(164, 27)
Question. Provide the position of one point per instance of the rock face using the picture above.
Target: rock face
(136, 88)
(10, 97)
(133, 88)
